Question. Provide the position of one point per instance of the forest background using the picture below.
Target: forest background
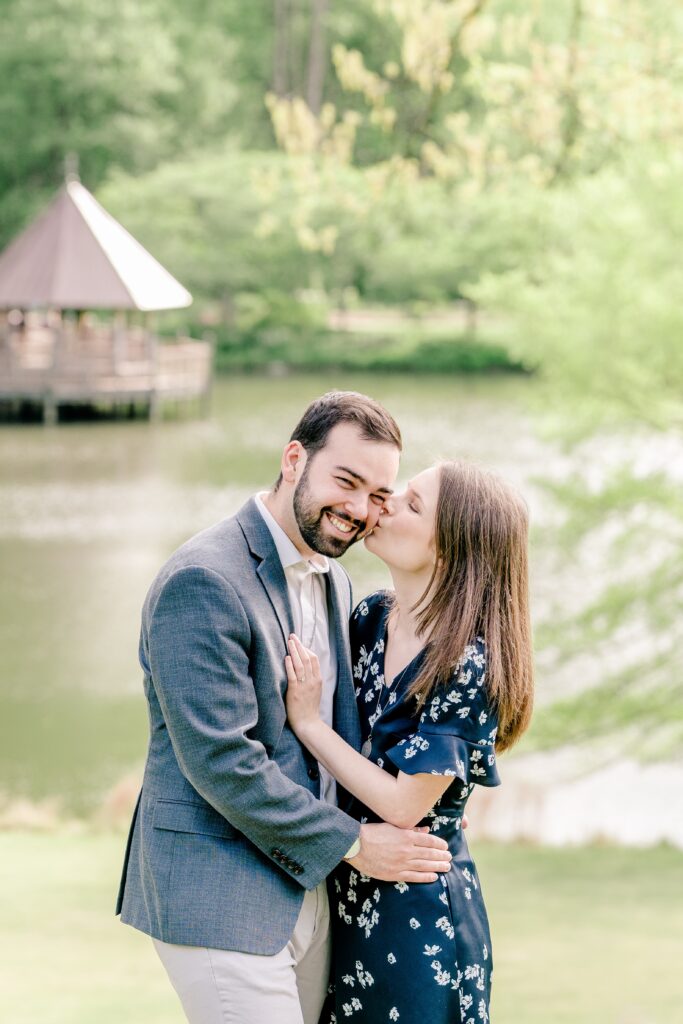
(284, 158)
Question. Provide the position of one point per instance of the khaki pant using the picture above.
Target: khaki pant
(220, 986)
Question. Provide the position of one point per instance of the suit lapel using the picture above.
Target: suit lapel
(272, 576)
(345, 708)
(269, 568)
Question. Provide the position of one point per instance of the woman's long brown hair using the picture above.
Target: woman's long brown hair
(480, 587)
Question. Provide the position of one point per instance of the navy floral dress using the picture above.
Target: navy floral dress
(416, 953)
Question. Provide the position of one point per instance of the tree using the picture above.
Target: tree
(121, 86)
(595, 305)
(317, 56)
(486, 97)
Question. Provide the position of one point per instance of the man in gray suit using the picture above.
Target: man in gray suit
(237, 827)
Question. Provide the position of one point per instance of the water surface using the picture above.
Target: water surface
(88, 513)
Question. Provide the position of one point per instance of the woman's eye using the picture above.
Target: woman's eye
(413, 509)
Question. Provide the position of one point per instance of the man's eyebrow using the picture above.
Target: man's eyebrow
(361, 479)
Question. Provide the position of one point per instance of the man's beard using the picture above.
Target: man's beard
(309, 519)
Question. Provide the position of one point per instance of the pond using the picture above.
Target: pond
(88, 513)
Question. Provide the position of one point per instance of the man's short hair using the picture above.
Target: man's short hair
(373, 421)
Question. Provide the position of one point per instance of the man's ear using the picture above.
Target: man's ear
(293, 461)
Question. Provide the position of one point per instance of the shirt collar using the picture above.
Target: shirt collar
(289, 556)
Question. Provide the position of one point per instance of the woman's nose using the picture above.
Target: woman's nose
(387, 508)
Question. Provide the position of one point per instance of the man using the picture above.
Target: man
(236, 826)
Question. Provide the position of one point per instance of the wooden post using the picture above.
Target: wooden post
(50, 409)
(205, 398)
(154, 397)
(57, 332)
(154, 406)
(6, 344)
(471, 311)
(119, 339)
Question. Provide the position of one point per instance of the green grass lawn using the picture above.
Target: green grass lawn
(591, 936)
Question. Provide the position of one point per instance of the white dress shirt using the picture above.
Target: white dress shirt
(308, 601)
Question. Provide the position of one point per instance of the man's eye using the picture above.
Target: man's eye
(376, 499)
(343, 480)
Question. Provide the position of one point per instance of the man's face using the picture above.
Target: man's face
(342, 488)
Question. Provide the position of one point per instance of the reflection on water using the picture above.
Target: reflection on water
(89, 512)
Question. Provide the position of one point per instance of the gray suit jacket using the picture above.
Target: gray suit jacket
(228, 831)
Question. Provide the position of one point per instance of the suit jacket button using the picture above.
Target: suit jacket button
(313, 772)
(277, 854)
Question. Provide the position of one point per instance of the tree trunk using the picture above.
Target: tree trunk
(572, 119)
(282, 17)
(315, 79)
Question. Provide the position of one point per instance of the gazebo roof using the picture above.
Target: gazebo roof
(76, 256)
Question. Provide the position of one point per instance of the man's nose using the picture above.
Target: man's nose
(357, 507)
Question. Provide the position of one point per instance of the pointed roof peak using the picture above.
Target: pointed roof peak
(75, 255)
(71, 168)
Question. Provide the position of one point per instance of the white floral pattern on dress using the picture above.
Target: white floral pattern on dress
(416, 953)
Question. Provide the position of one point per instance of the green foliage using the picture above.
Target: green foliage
(596, 303)
(260, 314)
(624, 536)
(644, 719)
(198, 216)
(302, 350)
(271, 331)
(124, 85)
(220, 223)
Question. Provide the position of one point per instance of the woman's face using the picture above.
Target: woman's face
(404, 535)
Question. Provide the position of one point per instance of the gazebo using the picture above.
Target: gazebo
(75, 261)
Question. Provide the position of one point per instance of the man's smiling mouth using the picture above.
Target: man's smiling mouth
(340, 524)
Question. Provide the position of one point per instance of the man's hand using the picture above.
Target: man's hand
(400, 855)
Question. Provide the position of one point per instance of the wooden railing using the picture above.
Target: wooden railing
(98, 363)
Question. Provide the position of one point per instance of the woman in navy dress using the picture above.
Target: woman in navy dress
(443, 681)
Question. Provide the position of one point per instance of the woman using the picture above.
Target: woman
(444, 681)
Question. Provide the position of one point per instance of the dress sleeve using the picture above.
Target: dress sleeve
(367, 610)
(456, 733)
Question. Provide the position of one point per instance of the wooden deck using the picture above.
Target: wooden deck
(101, 366)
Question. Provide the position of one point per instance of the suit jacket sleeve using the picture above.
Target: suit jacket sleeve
(198, 649)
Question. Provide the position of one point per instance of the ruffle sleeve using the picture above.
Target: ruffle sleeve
(366, 613)
(456, 733)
